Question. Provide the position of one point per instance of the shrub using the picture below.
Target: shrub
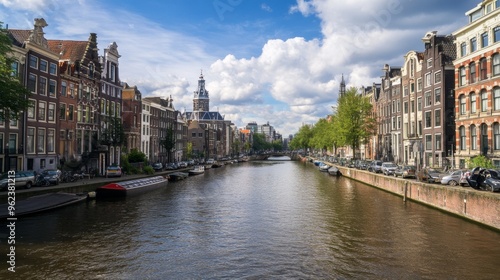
(148, 170)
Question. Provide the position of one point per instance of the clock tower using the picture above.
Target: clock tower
(201, 101)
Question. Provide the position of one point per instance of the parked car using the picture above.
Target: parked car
(484, 179)
(52, 175)
(388, 168)
(158, 166)
(430, 175)
(24, 179)
(455, 178)
(171, 166)
(405, 171)
(113, 171)
(375, 166)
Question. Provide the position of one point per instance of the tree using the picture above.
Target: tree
(236, 146)
(480, 161)
(168, 142)
(302, 139)
(113, 134)
(14, 94)
(259, 142)
(189, 150)
(354, 121)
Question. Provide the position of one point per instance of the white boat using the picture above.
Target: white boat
(199, 169)
(323, 166)
(334, 171)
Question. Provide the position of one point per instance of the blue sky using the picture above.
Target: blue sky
(276, 61)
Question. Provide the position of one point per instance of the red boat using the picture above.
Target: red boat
(131, 187)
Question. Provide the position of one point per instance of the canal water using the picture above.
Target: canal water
(254, 220)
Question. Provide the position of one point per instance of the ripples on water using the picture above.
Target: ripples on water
(260, 220)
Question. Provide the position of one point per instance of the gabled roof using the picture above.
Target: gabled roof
(68, 49)
(19, 36)
(204, 116)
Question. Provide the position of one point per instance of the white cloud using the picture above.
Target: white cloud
(291, 82)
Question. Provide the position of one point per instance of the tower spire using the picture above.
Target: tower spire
(342, 86)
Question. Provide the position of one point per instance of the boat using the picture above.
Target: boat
(131, 187)
(198, 169)
(323, 166)
(334, 171)
(177, 176)
(41, 203)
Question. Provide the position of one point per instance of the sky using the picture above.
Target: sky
(266, 61)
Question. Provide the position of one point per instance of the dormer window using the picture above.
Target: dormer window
(91, 70)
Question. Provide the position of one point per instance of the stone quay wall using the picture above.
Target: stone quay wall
(479, 206)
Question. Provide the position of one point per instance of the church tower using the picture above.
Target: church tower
(201, 101)
(342, 87)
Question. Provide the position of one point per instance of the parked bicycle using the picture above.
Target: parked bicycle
(41, 181)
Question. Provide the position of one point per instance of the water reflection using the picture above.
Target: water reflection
(256, 220)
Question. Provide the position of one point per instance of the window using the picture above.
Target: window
(31, 109)
(33, 61)
(13, 143)
(405, 107)
(427, 79)
(428, 142)
(428, 98)
(429, 63)
(419, 104)
(462, 138)
(15, 69)
(496, 34)
(484, 100)
(437, 95)
(62, 134)
(64, 88)
(483, 74)
(462, 76)
(193, 135)
(437, 140)
(473, 137)
(472, 72)
(496, 136)
(62, 111)
(484, 39)
(112, 74)
(51, 112)
(428, 120)
(496, 98)
(53, 69)
(32, 83)
(462, 105)
(200, 134)
(70, 112)
(473, 103)
(437, 118)
(52, 87)
(43, 65)
(41, 140)
(42, 86)
(473, 45)
(71, 90)
(41, 111)
(496, 64)
(51, 140)
(437, 77)
(30, 140)
(463, 49)
(419, 85)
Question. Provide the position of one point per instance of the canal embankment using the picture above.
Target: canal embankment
(478, 206)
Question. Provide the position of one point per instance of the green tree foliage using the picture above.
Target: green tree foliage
(302, 139)
(259, 142)
(480, 161)
(323, 136)
(277, 145)
(113, 135)
(136, 156)
(353, 123)
(14, 95)
(189, 150)
(168, 142)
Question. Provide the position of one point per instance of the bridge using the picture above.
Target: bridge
(292, 155)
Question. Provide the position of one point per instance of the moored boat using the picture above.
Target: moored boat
(177, 176)
(198, 169)
(334, 171)
(40, 203)
(131, 187)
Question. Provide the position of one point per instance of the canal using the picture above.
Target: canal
(254, 220)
